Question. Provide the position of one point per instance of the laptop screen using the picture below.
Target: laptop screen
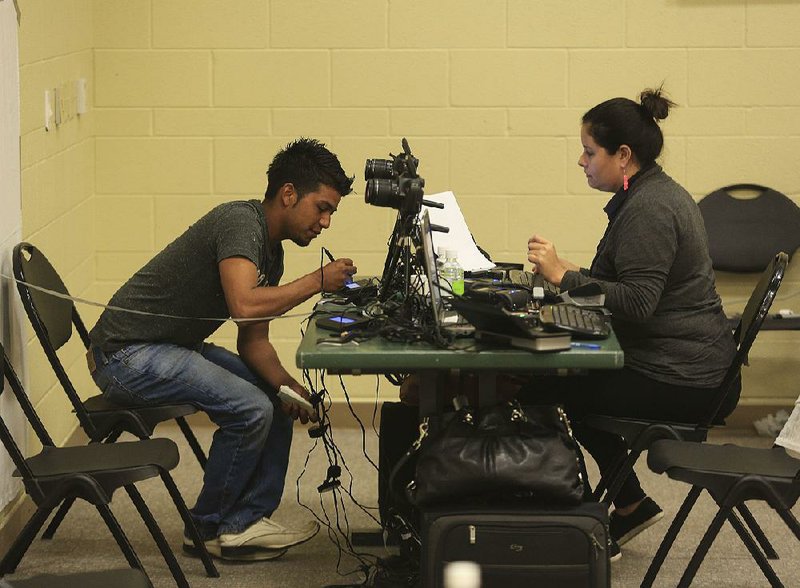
(430, 265)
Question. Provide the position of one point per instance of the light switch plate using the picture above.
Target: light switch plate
(80, 93)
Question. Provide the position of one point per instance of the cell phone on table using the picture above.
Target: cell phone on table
(341, 322)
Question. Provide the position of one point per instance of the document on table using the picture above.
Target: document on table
(459, 238)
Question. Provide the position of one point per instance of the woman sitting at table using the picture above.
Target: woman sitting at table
(653, 266)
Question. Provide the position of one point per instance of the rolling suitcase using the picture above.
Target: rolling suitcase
(519, 546)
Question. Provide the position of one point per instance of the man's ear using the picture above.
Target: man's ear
(288, 194)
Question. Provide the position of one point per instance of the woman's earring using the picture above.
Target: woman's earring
(624, 180)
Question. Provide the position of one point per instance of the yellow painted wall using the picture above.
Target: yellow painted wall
(191, 98)
(55, 50)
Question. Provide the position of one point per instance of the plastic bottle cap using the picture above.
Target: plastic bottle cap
(462, 574)
(451, 253)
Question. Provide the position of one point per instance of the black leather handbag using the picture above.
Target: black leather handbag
(505, 451)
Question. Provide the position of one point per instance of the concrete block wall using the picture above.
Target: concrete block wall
(192, 105)
(191, 98)
(58, 168)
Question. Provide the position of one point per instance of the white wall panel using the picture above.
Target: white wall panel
(10, 229)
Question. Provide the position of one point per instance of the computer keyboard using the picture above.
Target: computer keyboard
(582, 322)
(530, 281)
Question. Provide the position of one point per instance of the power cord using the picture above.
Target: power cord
(332, 509)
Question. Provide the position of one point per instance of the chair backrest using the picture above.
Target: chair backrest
(744, 234)
(752, 318)
(51, 317)
(7, 373)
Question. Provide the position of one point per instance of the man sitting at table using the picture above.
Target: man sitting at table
(229, 264)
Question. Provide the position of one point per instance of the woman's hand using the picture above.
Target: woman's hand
(542, 254)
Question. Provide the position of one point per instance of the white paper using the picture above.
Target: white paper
(459, 238)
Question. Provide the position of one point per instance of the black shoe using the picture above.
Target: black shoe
(624, 528)
(614, 552)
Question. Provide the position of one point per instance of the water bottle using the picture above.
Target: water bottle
(441, 254)
(452, 274)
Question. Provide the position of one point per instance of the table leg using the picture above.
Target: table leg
(487, 388)
(431, 392)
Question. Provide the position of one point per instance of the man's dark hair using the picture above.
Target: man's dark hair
(306, 163)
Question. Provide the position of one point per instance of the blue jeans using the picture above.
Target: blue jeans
(249, 455)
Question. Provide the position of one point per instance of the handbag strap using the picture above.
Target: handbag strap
(412, 451)
(407, 530)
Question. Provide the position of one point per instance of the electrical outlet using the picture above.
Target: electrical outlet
(69, 101)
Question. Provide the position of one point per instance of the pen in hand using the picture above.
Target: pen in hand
(329, 255)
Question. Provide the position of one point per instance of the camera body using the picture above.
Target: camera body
(395, 183)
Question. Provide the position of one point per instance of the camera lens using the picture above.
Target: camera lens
(383, 192)
(378, 168)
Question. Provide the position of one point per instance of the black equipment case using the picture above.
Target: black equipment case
(519, 546)
(399, 428)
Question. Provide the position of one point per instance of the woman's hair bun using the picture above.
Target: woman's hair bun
(656, 103)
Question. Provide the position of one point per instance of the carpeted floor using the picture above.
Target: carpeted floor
(83, 543)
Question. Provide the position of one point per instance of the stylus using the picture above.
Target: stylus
(328, 254)
(594, 346)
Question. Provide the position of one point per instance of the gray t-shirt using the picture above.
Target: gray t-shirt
(183, 280)
(654, 268)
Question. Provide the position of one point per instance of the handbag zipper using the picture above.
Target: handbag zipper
(596, 546)
(563, 416)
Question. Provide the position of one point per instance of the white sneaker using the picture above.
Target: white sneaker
(232, 553)
(212, 546)
(264, 539)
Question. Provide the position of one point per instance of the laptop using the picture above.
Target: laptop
(522, 330)
(446, 320)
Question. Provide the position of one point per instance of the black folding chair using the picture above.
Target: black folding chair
(639, 434)
(731, 475)
(130, 578)
(53, 319)
(744, 234)
(92, 473)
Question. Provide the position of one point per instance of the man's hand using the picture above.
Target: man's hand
(336, 274)
(295, 411)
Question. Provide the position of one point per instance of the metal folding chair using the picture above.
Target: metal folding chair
(92, 473)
